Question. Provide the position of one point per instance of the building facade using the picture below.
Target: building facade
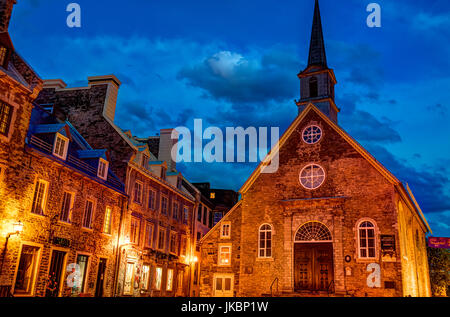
(155, 249)
(331, 220)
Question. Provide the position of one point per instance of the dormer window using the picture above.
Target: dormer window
(102, 171)
(144, 161)
(60, 146)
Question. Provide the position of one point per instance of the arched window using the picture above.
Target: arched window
(313, 87)
(313, 231)
(265, 241)
(366, 240)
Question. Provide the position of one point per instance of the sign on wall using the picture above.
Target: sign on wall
(387, 242)
(439, 242)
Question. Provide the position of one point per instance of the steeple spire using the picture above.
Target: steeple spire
(317, 54)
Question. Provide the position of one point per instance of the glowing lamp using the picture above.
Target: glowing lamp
(18, 227)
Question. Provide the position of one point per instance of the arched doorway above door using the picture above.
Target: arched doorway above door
(313, 257)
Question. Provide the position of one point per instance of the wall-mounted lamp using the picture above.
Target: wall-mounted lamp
(17, 229)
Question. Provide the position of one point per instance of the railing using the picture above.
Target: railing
(73, 161)
(330, 288)
(271, 286)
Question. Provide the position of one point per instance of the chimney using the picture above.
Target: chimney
(54, 84)
(109, 108)
(166, 144)
(6, 7)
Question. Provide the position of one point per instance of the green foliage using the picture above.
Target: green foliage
(439, 261)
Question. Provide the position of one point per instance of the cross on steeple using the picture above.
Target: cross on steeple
(317, 54)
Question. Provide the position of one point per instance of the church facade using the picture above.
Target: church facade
(331, 221)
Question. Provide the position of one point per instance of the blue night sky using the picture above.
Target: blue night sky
(234, 63)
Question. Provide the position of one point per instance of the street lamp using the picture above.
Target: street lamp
(17, 229)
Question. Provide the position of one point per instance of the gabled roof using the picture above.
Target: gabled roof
(363, 152)
(221, 220)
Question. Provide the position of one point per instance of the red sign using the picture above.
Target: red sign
(436, 242)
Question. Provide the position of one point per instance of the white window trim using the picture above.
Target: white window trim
(105, 176)
(222, 245)
(92, 214)
(309, 165)
(358, 248)
(72, 202)
(66, 146)
(259, 242)
(229, 230)
(44, 198)
(312, 126)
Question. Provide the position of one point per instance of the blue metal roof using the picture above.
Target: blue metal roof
(84, 154)
(48, 128)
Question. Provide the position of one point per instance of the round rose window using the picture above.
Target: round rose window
(312, 176)
(312, 134)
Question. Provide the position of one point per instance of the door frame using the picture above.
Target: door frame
(63, 270)
(223, 275)
(104, 274)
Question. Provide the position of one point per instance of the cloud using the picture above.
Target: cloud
(240, 79)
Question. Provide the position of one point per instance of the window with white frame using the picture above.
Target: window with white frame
(225, 255)
(107, 221)
(175, 210)
(169, 285)
(158, 278)
(366, 240)
(312, 134)
(39, 198)
(145, 276)
(66, 207)
(149, 234)
(173, 242)
(225, 230)
(312, 176)
(164, 205)
(161, 238)
(88, 214)
(152, 199)
(60, 146)
(102, 171)
(135, 226)
(265, 241)
(138, 192)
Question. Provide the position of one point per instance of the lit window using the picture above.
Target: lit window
(138, 192)
(161, 238)
(158, 278)
(108, 221)
(169, 280)
(152, 199)
(149, 234)
(40, 195)
(212, 195)
(312, 176)
(225, 230)
(312, 134)
(366, 238)
(129, 279)
(173, 243)
(144, 161)
(88, 213)
(225, 255)
(82, 261)
(66, 207)
(164, 205)
(5, 118)
(134, 230)
(3, 52)
(145, 276)
(102, 169)
(60, 146)
(265, 241)
(26, 271)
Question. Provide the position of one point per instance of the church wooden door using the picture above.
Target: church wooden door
(313, 266)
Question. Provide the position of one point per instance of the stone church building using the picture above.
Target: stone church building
(331, 221)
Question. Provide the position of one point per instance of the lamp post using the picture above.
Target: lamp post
(17, 229)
